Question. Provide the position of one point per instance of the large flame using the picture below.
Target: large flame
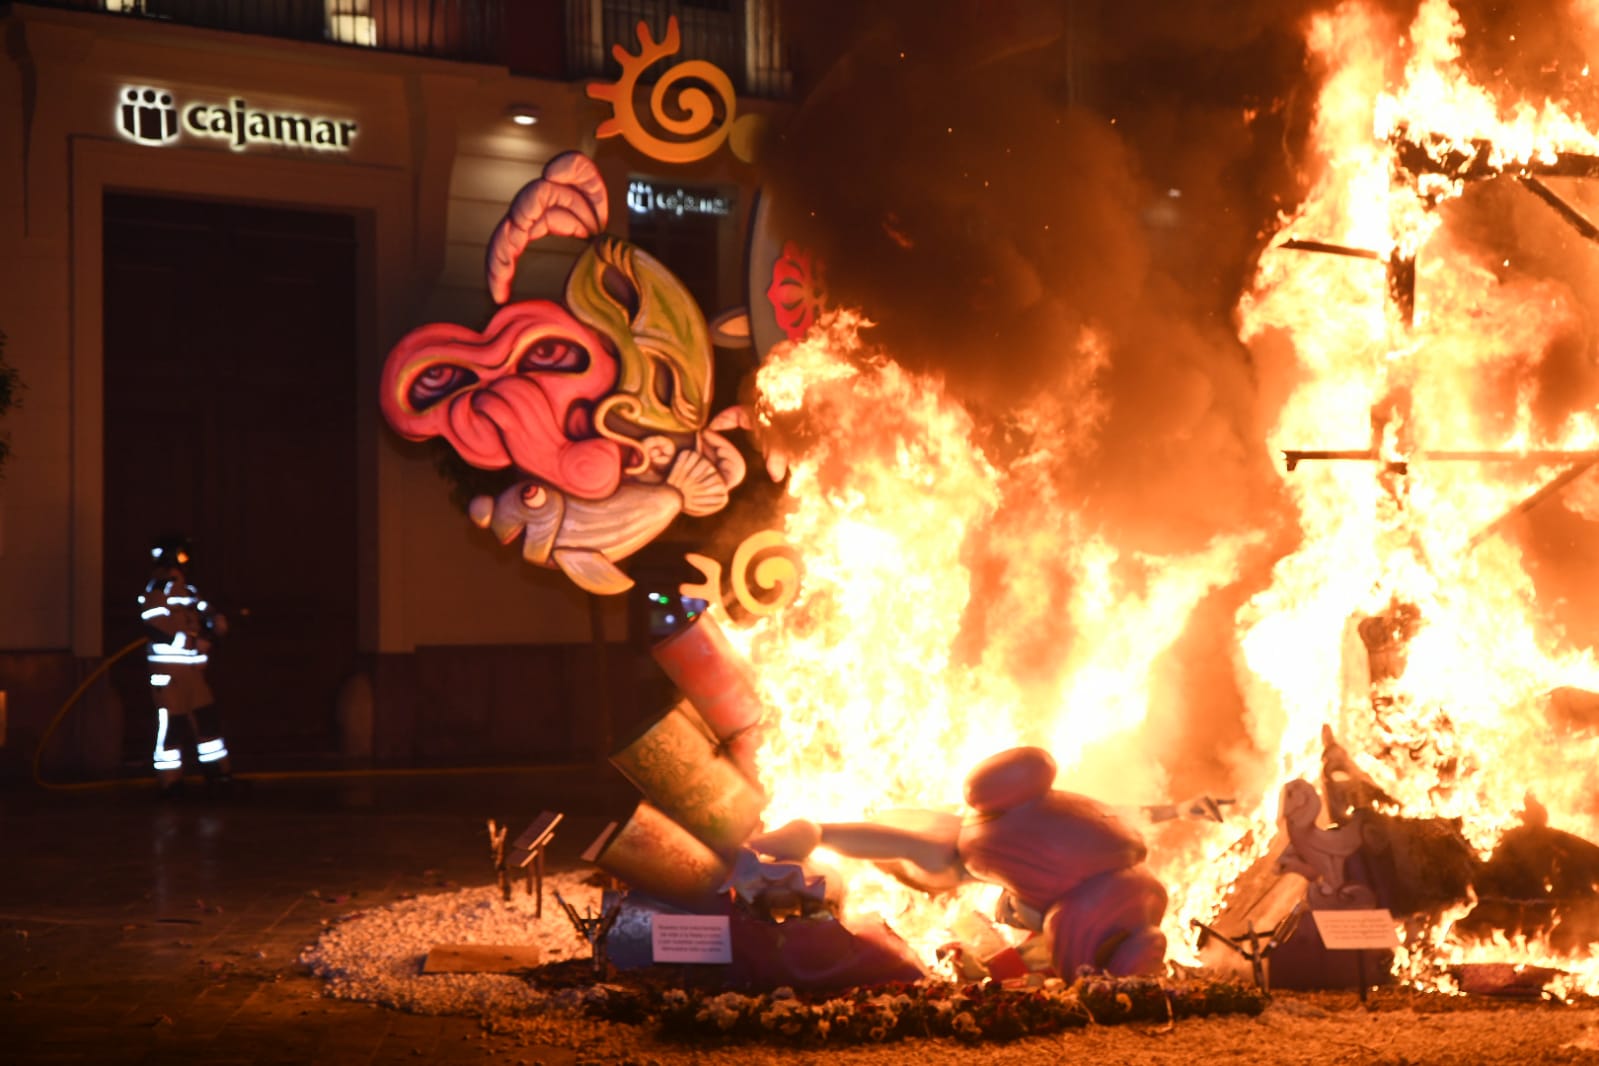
(1461, 731)
(878, 702)
(885, 692)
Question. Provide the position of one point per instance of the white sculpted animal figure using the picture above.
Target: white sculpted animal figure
(1319, 855)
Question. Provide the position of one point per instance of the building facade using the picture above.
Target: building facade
(215, 224)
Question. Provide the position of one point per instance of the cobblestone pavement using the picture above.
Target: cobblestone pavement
(134, 930)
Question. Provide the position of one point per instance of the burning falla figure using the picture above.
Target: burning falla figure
(604, 401)
(1071, 869)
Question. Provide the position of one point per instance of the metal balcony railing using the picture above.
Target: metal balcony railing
(742, 37)
(465, 30)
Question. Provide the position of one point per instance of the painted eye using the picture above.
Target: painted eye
(437, 382)
(663, 382)
(553, 353)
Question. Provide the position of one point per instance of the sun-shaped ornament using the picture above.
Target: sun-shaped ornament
(698, 132)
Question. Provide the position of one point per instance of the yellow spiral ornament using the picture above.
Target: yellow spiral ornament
(766, 573)
(765, 576)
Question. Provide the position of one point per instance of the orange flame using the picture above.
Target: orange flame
(1460, 732)
(884, 695)
(876, 704)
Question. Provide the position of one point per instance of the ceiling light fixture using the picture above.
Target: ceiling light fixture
(523, 114)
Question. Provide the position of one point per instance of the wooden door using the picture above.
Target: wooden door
(230, 411)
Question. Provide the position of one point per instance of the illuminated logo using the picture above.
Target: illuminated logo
(643, 198)
(148, 115)
(151, 116)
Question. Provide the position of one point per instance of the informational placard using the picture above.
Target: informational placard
(537, 834)
(1357, 930)
(703, 938)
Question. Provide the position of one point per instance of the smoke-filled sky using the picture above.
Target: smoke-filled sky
(987, 179)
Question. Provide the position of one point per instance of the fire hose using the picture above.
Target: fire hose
(131, 646)
(61, 712)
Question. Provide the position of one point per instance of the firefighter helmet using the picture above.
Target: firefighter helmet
(172, 549)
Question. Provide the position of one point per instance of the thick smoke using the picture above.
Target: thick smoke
(993, 182)
(987, 179)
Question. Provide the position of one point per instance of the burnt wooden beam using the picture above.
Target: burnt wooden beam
(1560, 481)
(1540, 455)
(1292, 457)
(1299, 245)
(1401, 271)
(1472, 160)
(1402, 287)
(1568, 214)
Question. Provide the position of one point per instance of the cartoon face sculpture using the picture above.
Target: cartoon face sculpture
(660, 336)
(523, 393)
(605, 402)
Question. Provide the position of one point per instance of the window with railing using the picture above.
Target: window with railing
(742, 37)
(468, 30)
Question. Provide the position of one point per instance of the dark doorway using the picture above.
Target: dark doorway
(230, 404)
(688, 245)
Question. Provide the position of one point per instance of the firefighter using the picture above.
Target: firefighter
(181, 627)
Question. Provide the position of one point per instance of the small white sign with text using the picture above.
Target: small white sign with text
(703, 938)
(1355, 930)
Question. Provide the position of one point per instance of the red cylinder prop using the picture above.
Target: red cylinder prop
(717, 681)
